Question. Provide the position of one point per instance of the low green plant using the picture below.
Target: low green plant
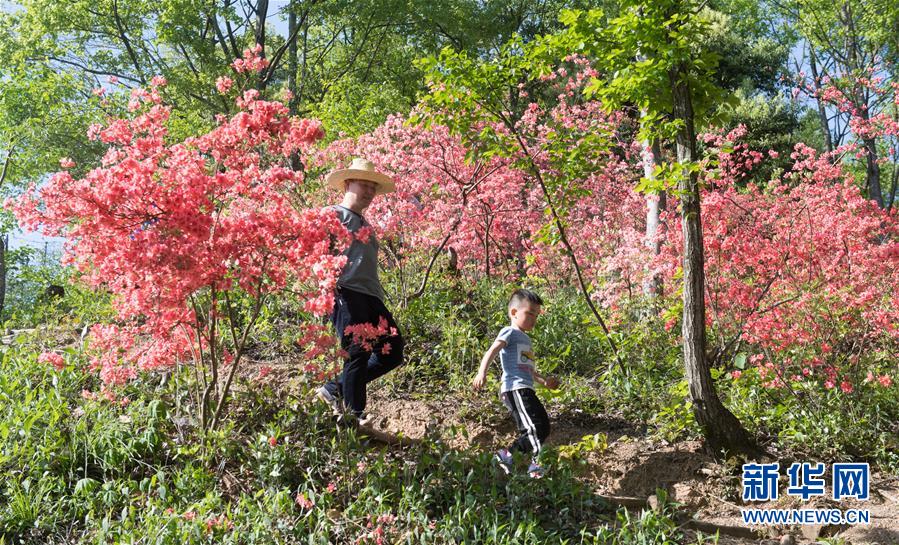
(95, 471)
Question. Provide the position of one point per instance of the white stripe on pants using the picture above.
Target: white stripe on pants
(526, 420)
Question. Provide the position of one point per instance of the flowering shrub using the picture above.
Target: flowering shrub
(53, 359)
(487, 208)
(803, 270)
(865, 100)
(191, 236)
(800, 270)
(483, 211)
(795, 269)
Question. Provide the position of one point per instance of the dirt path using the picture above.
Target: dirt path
(634, 466)
(631, 465)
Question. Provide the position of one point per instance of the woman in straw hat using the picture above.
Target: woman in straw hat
(360, 297)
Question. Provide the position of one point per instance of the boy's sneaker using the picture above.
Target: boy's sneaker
(504, 457)
(365, 419)
(326, 396)
(354, 421)
(535, 471)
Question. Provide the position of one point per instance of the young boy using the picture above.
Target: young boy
(519, 374)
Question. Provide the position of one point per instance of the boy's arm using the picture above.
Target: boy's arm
(481, 377)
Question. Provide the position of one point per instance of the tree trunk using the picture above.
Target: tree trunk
(892, 193)
(292, 57)
(860, 100)
(822, 112)
(655, 203)
(4, 243)
(452, 265)
(259, 32)
(872, 172)
(295, 163)
(261, 16)
(4, 240)
(722, 431)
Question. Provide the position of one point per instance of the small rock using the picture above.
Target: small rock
(653, 502)
(787, 540)
(682, 492)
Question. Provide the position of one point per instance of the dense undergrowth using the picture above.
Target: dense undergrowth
(78, 468)
(452, 327)
(94, 471)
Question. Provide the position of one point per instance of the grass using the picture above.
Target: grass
(77, 470)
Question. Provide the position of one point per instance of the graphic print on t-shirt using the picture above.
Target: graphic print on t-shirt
(526, 362)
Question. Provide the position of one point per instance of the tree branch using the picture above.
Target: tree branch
(124, 37)
(9, 154)
(276, 58)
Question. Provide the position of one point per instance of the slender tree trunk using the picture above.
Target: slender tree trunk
(872, 172)
(452, 265)
(822, 112)
(892, 193)
(295, 162)
(655, 203)
(860, 99)
(4, 240)
(261, 16)
(487, 248)
(292, 57)
(722, 430)
(4, 243)
(259, 32)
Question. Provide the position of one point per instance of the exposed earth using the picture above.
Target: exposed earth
(633, 467)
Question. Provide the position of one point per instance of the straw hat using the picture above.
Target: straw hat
(361, 169)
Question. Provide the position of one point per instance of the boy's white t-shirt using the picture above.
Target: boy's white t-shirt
(517, 360)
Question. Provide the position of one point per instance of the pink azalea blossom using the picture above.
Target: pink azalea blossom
(304, 502)
(223, 84)
(54, 359)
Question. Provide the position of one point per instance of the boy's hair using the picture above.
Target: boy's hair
(524, 295)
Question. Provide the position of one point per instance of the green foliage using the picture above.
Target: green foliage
(91, 471)
(828, 425)
(350, 108)
(598, 443)
(640, 49)
(28, 304)
(749, 57)
(56, 448)
(656, 527)
(469, 95)
(353, 64)
(771, 124)
(650, 387)
(29, 97)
